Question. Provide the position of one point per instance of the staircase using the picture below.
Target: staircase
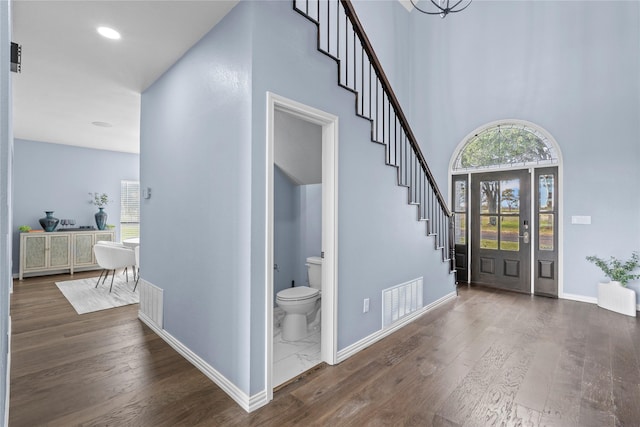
(342, 38)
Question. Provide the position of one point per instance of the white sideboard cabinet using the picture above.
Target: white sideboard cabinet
(60, 250)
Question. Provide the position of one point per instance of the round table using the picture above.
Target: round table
(132, 243)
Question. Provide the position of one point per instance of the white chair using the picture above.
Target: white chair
(120, 245)
(112, 257)
(136, 252)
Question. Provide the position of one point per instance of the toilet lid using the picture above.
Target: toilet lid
(297, 293)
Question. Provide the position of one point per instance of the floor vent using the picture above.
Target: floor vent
(151, 302)
(401, 300)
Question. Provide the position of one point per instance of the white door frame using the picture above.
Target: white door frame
(560, 191)
(329, 124)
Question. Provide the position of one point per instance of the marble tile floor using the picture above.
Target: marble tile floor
(291, 358)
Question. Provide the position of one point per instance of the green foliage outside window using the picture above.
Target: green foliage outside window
(504, 145)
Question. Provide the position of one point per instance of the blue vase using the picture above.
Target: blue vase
(49, 223)
(101, 219)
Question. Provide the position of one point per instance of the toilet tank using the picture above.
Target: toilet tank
(314, 271)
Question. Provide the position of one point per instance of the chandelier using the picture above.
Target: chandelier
(443, 7)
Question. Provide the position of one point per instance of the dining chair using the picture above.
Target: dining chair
(112, 257)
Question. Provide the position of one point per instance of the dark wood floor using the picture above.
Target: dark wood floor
(488, 358)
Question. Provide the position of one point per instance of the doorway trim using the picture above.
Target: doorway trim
(328, 326)
(559, 164)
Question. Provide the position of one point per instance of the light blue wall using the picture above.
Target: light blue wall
(388, 28)
(310, 229)
(570, 67)
(196, 157)
(380, 242)
(203, 153)
(285, 231)
(6, 154)
(59, 177)
(297, 229)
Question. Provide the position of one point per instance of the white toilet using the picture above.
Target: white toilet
(301, 304)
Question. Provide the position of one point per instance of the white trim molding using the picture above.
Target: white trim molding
(550, 141)
(8, 373)
(589, 300)
(378, 335)
(329, 318)
(579, 298)
(246, 402)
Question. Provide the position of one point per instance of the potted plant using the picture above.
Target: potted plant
(101, 200)
(615, 296)
(24, 228)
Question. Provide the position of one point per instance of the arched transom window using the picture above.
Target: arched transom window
(505, 145)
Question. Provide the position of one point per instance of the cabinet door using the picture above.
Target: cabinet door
(83, 253)
(106, 236)
(59, 255)
(35, 251)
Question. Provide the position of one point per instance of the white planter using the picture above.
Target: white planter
(615, 297)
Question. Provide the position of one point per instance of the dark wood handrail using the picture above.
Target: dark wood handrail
(384, 81)
(353, 53)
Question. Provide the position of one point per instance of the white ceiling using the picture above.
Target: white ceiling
(71, 76)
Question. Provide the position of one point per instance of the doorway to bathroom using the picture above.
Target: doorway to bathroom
(301, 237)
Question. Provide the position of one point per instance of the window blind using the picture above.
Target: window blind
(129, 209)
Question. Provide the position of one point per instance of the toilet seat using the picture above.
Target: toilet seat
(297, 293)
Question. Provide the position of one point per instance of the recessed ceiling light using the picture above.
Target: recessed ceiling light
(109, 33)
(102, 124)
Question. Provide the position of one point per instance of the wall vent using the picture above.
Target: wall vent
(151, 301)
(401, 300)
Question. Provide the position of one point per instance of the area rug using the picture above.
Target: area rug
(86, 298)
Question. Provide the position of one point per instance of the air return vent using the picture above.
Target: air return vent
(401, 300)
(151, 300)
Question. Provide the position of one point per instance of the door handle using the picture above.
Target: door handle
(525, 236)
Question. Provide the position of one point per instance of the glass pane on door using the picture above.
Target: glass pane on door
(489, 232)
(460, 202)
(461, 228)
(510, 196)
(489, 196)
(545, 232)
(509, 231)
(545, 193)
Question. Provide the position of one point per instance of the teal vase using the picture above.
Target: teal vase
(101, 219)
(49, 223)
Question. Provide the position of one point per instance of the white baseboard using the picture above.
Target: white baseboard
(349, 351)
(246, 402)
(8, 375)
(582, 298)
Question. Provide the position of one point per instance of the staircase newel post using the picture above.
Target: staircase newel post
(452, 248)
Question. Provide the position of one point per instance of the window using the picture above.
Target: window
(129, 209)
(505, 145)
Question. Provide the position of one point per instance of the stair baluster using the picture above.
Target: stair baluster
(342, 38)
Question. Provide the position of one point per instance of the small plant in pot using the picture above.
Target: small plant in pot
(618, 270)
(100, 200)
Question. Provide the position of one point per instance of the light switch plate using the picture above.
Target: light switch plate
(581, 219)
